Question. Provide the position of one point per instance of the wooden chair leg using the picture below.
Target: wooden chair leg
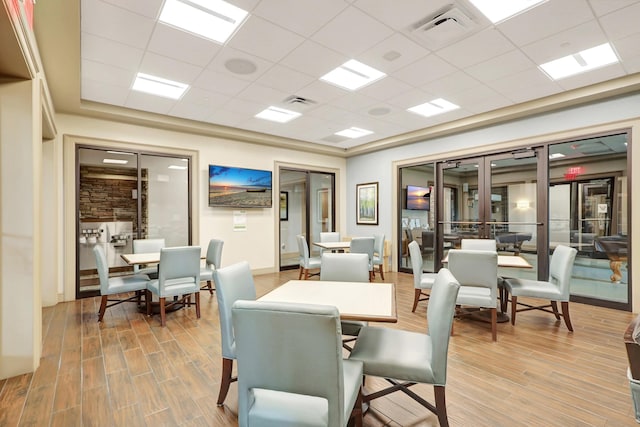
(514, 305)
(198, 305)
(225, 382)
(381, 273)
(416, 298)
(565, 314)
(306, 274)
(494, 324)
(147, 301)
(441, 405)
(356, 413)
(210, 286)
(103, 307)
(554, 307)
(163, 314)
(300, 275)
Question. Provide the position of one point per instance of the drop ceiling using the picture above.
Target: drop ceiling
(278, 55)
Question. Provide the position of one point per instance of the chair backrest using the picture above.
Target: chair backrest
(214, 253)
(233, 283)
(103, 268)
(442, 304)
(416, 262)
(475, 268)
(329, 236)
(348, 267)
(428, 241)
(303, 250)
(478, 244)
(378, 245)
(561, 267)
(142, 246)
(179, 270)
(293, 348)
(363, 245)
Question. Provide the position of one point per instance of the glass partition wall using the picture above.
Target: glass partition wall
(122, 196)
(529, 200)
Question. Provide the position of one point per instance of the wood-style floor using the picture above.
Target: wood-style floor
(128, 371)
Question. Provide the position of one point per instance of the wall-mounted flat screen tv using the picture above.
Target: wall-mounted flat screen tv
(418, 198)
(239, 187)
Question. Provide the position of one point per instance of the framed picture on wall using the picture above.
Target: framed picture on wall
(284, 206)
(367, 203)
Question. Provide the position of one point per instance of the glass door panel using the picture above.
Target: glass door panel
(321, 209)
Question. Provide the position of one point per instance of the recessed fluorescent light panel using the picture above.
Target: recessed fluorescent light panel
(354, 132)
(159, 86)
(353, 75)
(177, 167)
(215, 20)
(556, 156)
(115, 161)
(432, 108)
(497, 11)
(580, 62)
(276, 114)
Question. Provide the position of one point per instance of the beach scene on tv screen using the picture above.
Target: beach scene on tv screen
(239, 187)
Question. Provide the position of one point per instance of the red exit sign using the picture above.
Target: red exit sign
(573, 172)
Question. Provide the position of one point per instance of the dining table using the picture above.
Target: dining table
(374, 302)
(333, 246)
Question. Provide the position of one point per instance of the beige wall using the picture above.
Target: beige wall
(258, 244)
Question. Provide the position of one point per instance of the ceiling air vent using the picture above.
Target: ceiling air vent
(446, 26)
(298, 100)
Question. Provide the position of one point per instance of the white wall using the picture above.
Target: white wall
(619, 113)
(258, 244)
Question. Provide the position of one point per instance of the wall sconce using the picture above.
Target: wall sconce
(522, 204)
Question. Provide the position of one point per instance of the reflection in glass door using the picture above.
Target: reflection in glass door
(123, 196)
(306, 207)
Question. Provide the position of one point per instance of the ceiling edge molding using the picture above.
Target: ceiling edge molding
(597, 92)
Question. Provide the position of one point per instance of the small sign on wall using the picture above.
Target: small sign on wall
(239, 220)
(602, 208)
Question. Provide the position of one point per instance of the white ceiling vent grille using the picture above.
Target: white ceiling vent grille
(448, 25)
(298, 100)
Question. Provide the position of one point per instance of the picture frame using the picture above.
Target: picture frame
(367, 203)
(322, 205)
(284, 206)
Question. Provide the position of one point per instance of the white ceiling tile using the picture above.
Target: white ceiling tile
(105, 93)
(602, 7)
(218, 64)
(480, 47)
(352, 32)
(187, 110)
(400, 18)
(182, 46)
(263, 39)
(302, 17)
(151, 103)
(328, 112)
(592, 77)
(525, 86)
(393, 46)
(285, 79)
(220, 83)
(226, 117)
(628, 50)
(622, 23)
(425, 70)
(451, 84)
(98, 72)
(263, 94)
(503, 65)
(353, 101)
(411, 98)
(114, 23)
(248, 108)
(109, 52)
(203, 97)
(385, 88)
(321, 92)
(480, 99)
(313, 59)
(545, 20)
(149, 8)
(565, 43)
(168, 68)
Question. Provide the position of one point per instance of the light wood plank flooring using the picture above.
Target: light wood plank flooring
(128, 371)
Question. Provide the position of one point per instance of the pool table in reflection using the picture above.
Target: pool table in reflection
(615, 247)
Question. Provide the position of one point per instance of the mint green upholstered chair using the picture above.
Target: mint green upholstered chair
(178, 276)
(109, 287)
(290, 367)
(405, 358)
(213, 261)
(233, 283)
(478, 244)
(364, 245)
(143, 246)
(347, 267)
(421, 281)
(378, 254)
(328, 236)
(477, 273)
(306, 261)
(555, 289)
